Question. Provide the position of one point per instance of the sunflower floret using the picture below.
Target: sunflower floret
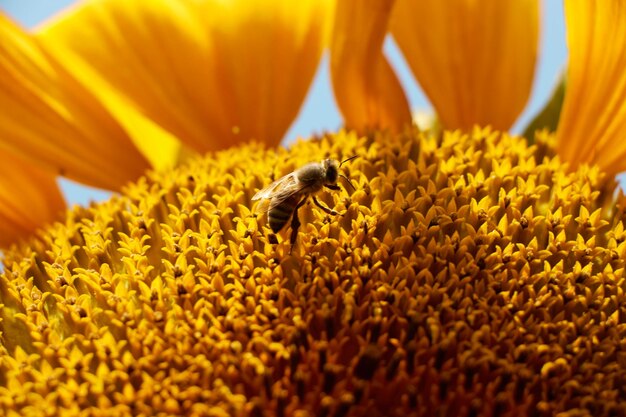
(469, 273)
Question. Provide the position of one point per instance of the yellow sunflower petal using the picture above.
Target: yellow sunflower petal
(50, 118)
(212, 73)
(366, 89)
(29, 198)
(593, 122)
(474, 59)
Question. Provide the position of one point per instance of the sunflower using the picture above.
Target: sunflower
(468, 272)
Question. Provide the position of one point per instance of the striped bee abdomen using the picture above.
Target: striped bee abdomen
(279, 214)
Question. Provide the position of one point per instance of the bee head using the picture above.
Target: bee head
(331, 167)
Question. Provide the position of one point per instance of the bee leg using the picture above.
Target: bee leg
(295, 224)
(323, 207)
(336, 187)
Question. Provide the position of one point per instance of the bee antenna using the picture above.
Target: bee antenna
(346, 160)
(348, 180)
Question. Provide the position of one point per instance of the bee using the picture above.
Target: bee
(283, 197)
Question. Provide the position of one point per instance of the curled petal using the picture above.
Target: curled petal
(52, 120)
(210, 73)
(474, 59)
(366, 89)
(29, 198)
(593, 122)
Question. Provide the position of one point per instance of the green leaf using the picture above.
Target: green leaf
(548, 117)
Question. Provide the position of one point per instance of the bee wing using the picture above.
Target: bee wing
(276, 192)
(276, 187)
(262, 206)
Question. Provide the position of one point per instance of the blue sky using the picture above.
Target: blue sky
(319, 112)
